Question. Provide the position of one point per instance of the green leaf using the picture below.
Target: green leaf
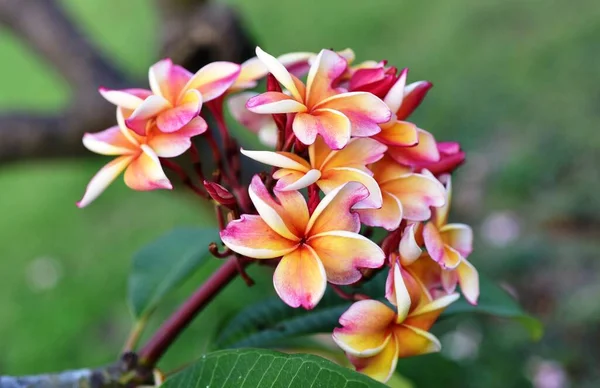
(494, 300)
(163, 264)
(256, 368)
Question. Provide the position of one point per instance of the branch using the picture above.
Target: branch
(82, 378)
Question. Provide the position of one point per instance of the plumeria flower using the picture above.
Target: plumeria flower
(328, 168)
(321, 109)
(316, 248)
(374, 336)
(406, 195)
(136, 155)
(451, 156)
(176, 95)
(263, 125)
(449, 245)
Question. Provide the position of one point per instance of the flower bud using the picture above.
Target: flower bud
(220, 194)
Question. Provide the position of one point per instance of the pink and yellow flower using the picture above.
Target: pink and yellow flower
(137, 155)
(320, 108)
(315, 248)
(449, 245)
(176, 95)
(262, 125)
(374, 336)
(406, 195)
(328, 168)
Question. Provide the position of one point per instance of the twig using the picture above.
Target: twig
(348, 296)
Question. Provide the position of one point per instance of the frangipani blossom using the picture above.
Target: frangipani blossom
(319, 107)
(263, 125)
(136, 155)
(449, 245)
(374, 336)
(317, 248)
(253, 69)
(176, 95)
(406, 195)
(328, 168)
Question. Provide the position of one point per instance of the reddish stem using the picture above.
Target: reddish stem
(177, 169)
(196, 162)
(348, 296)
(170, 330)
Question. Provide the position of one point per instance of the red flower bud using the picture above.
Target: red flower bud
(220, 194)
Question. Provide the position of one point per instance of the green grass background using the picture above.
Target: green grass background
(516, 82)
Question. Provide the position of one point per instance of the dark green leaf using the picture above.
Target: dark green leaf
(256, 368)
(163, 264)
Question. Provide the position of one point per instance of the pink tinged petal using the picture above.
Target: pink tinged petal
(174, 119)
(440, 214)
(468, 278)
(251, 236)
(409, 248)
(387, 169)
(304, 180)
(150, 108)
(336, 177)
(333, 212)
(399, 133)
(364, 77)
(449, 279)
(251, 70)
(395, 95)
(401, 296)
(380, 366)
(358, 152)
(130, 135)
(280, 73)
(268, 135)
(417, 193)
(103, 179)
(424, 152)
(274, 102)
(414, 342)
(424, 316)
(459, 237)
(299, 278)
(213, 79)
(296, 63)
(145, 172)
(253, 121)
(109, 142)
(167, 80)
(326, 68)
(332, 125)
(364, 110)
(271, 212)
(296, 209)
(344, 253)
(413, 96)
(365, 328)
(287, 177)
(388, 216)
(169, 145)
(126, 98)
(446, 256)
(285, 160)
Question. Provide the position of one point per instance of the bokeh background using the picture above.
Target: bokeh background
(516, 82)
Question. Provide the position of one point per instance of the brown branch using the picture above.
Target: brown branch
(107, 377)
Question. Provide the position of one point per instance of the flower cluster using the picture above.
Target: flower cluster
(344, 160)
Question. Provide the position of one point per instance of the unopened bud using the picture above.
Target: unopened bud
(220, 194)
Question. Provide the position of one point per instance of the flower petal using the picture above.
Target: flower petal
(333, 212)
(459, 237)
(299, 278)
(468, 278)
(111, 141)
(449, 280)
(251, 236)
(344, 253)
(274, 102)
(331, 124)
(424, 316)
(336, 177)
(418, 193)
(125, 98)
(446, 256)
(388, 169)
(401, 297)
(395, 95)
(213, 79)
(440, 214)
(388, 216)
(425, 151)
(286, 160)
(380, 366)
(413, 96)
(364, 110)
(279, 72)
(169, 145)
(167, 80)
(358, 152)
(409, 248)
(301, 181)
(145, 172)
(398, 133)
(326, 68)
(103, 179)
(150, 108)
(253, 121)
(174, 119)
(413, 341)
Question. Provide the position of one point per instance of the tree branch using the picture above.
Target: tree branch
(81, 378)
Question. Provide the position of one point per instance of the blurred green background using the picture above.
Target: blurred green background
(516, 82)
